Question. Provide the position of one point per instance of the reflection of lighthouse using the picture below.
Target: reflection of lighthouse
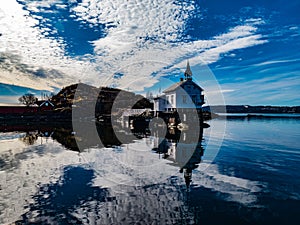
(187, 173)
(182, 150)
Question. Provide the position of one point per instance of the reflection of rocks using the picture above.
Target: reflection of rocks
(90, 134)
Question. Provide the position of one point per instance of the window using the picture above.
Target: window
(172, 99)
(184, 99)
(194, 98)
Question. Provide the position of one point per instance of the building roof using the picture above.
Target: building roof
(180, 84)
(188, 80)
(174, 86)
(42, 103)
(159, 97)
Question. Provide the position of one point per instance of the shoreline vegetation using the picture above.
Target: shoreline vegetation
(81, 97)
(253, 109)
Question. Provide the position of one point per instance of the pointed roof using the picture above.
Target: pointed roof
(187, 81)
(46, 101)
(188, 71)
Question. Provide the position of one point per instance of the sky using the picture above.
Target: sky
(247, 51)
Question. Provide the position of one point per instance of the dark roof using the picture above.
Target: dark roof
(160, 97)
(180, 84)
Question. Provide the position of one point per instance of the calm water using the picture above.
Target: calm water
(146, 178)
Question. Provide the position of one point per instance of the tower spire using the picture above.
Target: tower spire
(188, 72)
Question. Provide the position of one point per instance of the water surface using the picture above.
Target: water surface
(150, 178)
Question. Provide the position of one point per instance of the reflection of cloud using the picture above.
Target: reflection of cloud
(134, 166)
(236, 189)
(64, 197)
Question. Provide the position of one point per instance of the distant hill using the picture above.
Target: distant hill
(252, 109)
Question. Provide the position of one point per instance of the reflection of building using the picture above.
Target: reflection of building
(183, 150)
(185, 94)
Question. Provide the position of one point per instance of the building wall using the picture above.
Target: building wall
(183, 98)
(171, 100)
(159, 104)
(17, 109)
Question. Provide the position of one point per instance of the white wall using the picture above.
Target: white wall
(189, 90)
(189, 102)
(171, 104)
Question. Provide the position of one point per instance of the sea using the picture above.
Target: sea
(240, 170)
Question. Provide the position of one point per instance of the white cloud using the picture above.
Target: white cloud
(140, 33)
(21, 37)
(271, 62)
(268, 90)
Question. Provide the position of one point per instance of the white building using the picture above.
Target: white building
(185, 94)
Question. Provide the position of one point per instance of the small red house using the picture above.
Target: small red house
(18, 109)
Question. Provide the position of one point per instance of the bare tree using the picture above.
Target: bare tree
(28, 99)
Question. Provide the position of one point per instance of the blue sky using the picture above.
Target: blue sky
(249, 48)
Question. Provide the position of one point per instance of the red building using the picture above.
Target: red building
(41, 106)
(18, 109)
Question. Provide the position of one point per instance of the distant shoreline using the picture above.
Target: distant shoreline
(248, 109)
(259, 115)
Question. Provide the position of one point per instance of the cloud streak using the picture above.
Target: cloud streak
(137, 32)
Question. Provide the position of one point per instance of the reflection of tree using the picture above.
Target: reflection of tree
(56, 203)
(30, 138)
